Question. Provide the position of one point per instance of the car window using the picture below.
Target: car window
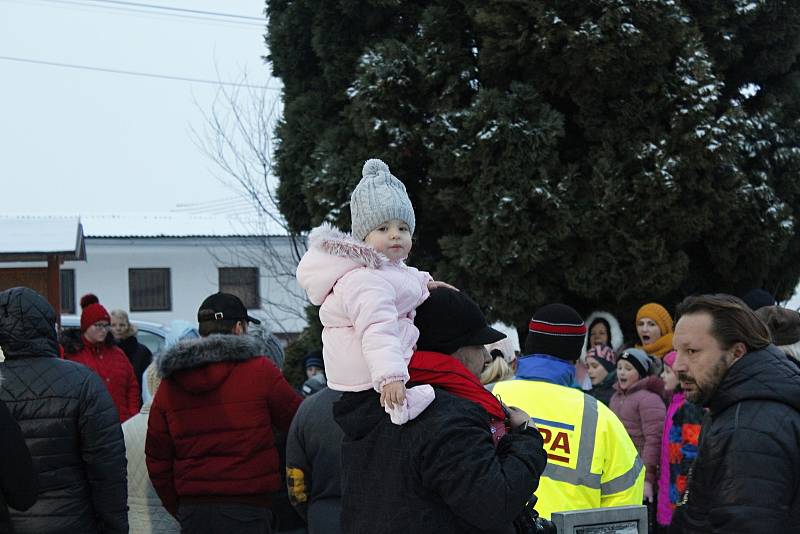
(154, 342)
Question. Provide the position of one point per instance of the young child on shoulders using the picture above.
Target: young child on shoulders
(368, 295)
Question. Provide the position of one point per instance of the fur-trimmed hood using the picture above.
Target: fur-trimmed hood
(332, 254)
(616, 332)
(199, 353)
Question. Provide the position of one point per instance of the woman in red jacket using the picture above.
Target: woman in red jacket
(101, 355)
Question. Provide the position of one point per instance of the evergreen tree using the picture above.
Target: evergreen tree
(602, 153)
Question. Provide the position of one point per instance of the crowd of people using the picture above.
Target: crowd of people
(415, 415)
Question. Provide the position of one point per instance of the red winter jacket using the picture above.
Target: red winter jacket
(111, 364)
(209, 434)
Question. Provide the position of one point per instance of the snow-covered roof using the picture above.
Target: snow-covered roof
(152, 225)
(25, 238)
(177, 225)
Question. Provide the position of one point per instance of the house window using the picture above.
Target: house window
(242, 282)
(149, 290)
(67, 283)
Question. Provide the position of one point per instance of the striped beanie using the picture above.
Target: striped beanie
(377, 198)
(556, 330)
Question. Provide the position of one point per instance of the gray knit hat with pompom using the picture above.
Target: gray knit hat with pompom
(377, 198)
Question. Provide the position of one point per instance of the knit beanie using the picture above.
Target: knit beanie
(605, 356)
(606, 363)
(92, 312)
(783, 324)
(556, 330)
(638, 359)
(657, 313)
(377, 198)
(313, 359)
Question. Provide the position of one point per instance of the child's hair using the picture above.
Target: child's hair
(378, 197)
(121, 314)
(152, 378)
(596, 321)
(496, 371)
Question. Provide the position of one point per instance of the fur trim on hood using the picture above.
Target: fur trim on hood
(616, 332)
(70, 339)
(331, 255)
(192, 353)
(333, 241)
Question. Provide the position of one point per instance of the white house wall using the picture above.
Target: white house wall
(193, 264)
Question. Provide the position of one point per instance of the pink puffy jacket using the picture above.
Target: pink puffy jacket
(641, 409)
(367, 309)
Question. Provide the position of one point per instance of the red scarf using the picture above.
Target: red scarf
(448, 373)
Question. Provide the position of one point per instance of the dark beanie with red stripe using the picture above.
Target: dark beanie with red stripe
(556, 330)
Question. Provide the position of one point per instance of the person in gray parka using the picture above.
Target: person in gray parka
(69, 422)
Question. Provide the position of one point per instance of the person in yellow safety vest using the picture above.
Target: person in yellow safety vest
(591, 460)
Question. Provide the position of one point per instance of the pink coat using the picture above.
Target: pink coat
(367, 309)
(641, 409)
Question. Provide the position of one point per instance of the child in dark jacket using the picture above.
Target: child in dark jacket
(602, 372)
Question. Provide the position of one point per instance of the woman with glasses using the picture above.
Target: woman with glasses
(99, 352)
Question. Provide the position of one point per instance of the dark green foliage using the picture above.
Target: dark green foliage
(603, 153)
(309, 340)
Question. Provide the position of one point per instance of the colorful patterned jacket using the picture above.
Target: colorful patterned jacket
(678, 451)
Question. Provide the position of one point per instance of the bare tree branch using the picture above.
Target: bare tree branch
(237, 137)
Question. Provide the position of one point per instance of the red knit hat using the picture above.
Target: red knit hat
(93, 313)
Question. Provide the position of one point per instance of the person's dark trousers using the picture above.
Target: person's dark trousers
(223, 518)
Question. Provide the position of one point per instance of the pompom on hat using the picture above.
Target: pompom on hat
(92, 311)
(377, 198)
(89, 299)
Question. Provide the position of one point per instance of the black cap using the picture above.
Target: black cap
(223, 307)
(449, 320)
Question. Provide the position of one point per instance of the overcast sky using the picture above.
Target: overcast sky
(83, 141)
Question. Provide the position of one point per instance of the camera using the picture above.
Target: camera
(529, 522)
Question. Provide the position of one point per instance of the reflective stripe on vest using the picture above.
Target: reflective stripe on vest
(582, 474)
(624, 481)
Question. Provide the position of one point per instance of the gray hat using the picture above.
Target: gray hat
(377, 198)
(638, 359)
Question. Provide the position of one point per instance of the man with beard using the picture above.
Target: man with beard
(747, 473)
